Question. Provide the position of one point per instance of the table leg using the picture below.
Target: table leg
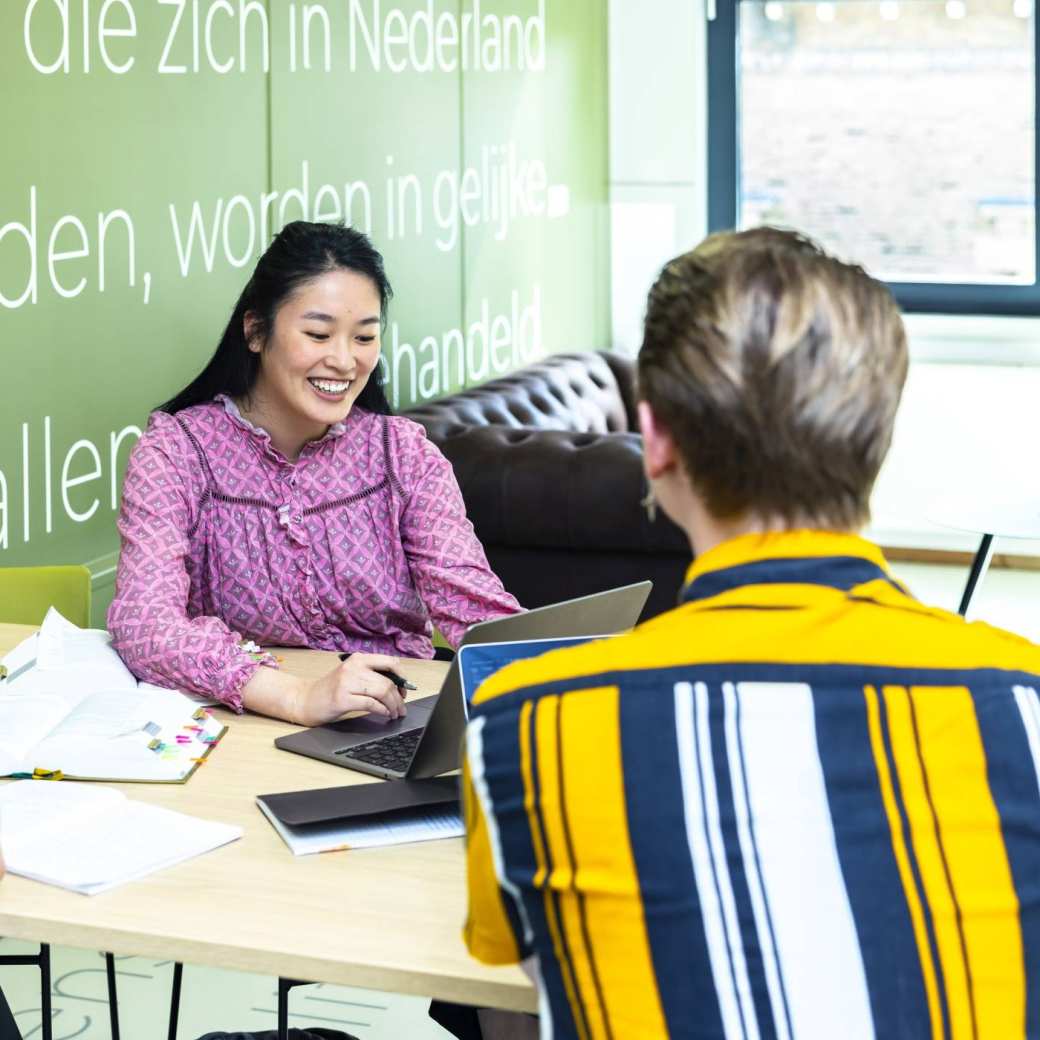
(45, 991)
(113, 1002)
(41, 960)
(175, 1000)
(979, 566)
(284, 985)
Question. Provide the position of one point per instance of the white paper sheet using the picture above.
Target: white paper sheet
(64, 648)
(90, 839)
(70, 704)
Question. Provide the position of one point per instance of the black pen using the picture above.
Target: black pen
(399, 681)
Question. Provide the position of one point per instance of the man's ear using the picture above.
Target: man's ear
(249, 330)
(659, 451)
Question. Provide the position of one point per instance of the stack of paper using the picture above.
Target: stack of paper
(362, 816)
(337, 835)
(69, 704)
(90, 838)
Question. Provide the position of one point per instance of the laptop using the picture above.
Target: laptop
(479, 661)
(428, 740)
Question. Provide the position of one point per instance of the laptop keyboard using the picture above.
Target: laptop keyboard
(394, 752)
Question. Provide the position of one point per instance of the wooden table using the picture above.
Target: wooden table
(387, 919)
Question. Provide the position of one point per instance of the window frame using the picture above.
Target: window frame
(723, 179)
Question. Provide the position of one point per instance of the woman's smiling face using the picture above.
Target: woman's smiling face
(317, 359)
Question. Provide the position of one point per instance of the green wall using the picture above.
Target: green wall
(139, 185)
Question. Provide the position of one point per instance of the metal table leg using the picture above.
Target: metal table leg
(979, 567)
(175, 1000)
(41, 960)
(45, 990)
(113, 1002)
(284, 985)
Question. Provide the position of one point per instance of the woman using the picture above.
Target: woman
(276, 501)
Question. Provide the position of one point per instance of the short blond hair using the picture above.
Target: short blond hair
(777, 369)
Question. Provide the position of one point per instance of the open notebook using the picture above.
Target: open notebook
(70, 705)
(91, 838)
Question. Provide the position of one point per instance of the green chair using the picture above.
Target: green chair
(26, 593)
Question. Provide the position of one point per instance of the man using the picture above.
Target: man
(801, 805)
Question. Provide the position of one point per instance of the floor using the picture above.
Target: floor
(213, 999)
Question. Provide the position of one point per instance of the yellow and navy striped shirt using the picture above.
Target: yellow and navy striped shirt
(800, 806)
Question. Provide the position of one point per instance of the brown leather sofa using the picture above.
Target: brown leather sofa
(550, 466)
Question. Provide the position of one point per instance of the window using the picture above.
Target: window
(902, 134)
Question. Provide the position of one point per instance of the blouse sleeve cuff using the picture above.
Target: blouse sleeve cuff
(237, 670)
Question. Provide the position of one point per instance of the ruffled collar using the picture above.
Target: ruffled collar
(236, 416)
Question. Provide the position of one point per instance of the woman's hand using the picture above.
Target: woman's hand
(354, 685)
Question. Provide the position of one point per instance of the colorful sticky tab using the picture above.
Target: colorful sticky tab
(155, 745)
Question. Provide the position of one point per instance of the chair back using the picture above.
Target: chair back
(27, 592)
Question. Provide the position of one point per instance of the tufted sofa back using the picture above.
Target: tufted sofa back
(550, 464)
(582, 393)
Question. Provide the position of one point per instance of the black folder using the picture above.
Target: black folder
(333, 818)
(387, 797)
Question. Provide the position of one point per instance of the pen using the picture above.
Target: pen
(398, 680)
(151, 728)
(9, 676)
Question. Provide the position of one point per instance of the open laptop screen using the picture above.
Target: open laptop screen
(478, 661)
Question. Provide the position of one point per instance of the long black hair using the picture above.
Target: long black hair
(300, 252)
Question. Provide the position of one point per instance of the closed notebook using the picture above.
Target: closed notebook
(69, 705)
(365, 815)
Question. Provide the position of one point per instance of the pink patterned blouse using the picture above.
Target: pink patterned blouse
(357, 545)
